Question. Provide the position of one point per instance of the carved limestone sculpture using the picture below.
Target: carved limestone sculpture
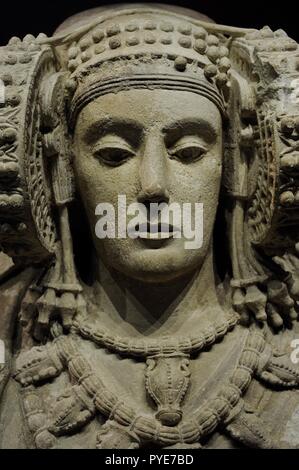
(124, 342)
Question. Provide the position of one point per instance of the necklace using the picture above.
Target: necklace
(142, 428)
(166, 380)
(89, 395)
(167, 376)
(159, 346)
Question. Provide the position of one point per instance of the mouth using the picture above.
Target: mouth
(158, 231)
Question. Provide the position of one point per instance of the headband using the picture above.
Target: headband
(157, 81)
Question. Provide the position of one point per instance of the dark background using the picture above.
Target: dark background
(17, 18)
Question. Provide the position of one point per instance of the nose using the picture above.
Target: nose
(153, 172)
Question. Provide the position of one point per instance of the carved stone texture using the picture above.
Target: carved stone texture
(131, 342)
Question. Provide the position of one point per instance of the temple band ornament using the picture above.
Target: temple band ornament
(140, 343)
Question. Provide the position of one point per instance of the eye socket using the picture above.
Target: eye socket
(113, 153)
(188, 150)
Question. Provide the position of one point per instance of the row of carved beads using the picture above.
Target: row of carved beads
(13, 78)
(267, 40)
(204, 421)
(115, 37)
(165, 346)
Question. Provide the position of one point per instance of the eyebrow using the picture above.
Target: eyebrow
(198, 126)
(128, 128)
(133, 131)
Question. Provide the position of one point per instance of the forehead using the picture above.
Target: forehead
(151, 108)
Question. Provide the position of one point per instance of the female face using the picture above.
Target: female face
(152, 146)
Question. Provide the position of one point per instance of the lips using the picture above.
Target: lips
(153, 231)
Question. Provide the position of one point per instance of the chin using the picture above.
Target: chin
(152, 266)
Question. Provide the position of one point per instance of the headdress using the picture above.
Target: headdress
(147, 49)
(251, 76)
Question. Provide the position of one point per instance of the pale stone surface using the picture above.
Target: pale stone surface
(140, 342)
(291, 432)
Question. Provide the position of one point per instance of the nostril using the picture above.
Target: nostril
(155, 193)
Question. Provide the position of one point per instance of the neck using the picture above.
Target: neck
(140, 308)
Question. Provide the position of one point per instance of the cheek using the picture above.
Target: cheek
(198, 182)
(209, 179)
(97, 183)
(88, 180)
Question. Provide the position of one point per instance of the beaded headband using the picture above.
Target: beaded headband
(139, 51)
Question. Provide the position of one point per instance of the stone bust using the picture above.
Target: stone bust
(138, 342)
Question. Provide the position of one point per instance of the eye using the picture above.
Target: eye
(188, 150)
(113, 152)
